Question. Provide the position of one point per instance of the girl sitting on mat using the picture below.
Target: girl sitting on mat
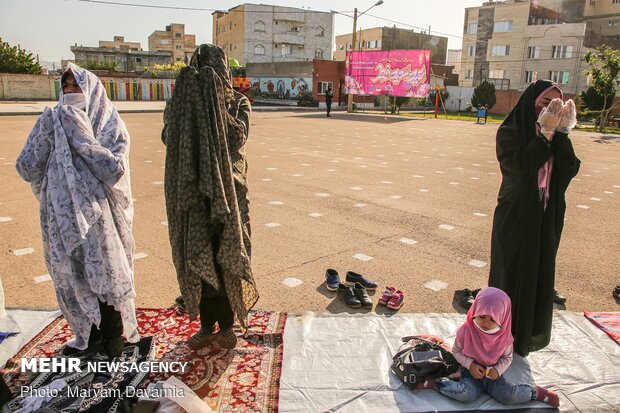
(483, 347)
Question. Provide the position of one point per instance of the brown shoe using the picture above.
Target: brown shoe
(227, 339)
(201, 339)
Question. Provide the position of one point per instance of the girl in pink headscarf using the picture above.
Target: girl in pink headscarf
(483, 347)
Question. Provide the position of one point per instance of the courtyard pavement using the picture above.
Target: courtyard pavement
(407, 202)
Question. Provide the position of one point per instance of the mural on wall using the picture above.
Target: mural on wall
(281, 87)
(134, 88)
(389, 72)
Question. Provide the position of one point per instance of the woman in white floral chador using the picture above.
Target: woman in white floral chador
(77, 161)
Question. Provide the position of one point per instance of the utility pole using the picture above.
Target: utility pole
(353, 43)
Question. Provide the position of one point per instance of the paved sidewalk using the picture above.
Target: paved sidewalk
(12, 108)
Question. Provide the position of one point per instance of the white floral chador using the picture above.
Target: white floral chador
(78, 165)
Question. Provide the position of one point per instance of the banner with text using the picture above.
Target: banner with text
(389, 72)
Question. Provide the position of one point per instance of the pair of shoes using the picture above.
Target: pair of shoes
(466, 297)
(392, 298)
(200, 339)
(557, 298)
(332, 280)
(547, 396)
(354, 297)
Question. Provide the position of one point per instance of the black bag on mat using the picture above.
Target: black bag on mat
(419, 359)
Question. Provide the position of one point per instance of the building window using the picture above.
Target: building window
(562, 52)
(138, 60)
(593, 3)
(230, 25)
(468, 74)
(505, 26)
(496, 74)
(177, 35)
(613, 23)
(287, 50)
(533, 52)
(178, 59)
(259, 49)
(321, 32)
(230, 47)
(295, 29)
(559, 77)
(164, 41)
(531, 76)
(471, 51)
(178, 47)
(323, 86)
(500, 50)
(616, 1)
(259, 26)
(318, 54)
(472, 27)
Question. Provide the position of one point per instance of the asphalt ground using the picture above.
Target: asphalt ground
(406, 202)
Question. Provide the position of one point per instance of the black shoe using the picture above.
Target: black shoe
(465, 298)
(93, 339)
(616, 292)
(362, 295)
(557, 298)
(114, 347)
(353, 277)
(348, 296)
(180, 301)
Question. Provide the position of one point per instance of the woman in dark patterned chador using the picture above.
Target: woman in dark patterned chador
(206, 125)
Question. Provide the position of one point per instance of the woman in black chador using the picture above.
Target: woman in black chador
(537, 161)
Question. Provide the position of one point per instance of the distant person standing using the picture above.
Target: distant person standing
(329, 95)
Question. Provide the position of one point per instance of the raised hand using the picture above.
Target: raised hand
(569, 117)
(550, 117)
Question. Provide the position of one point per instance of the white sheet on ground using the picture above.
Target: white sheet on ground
(341, 363)
(28, 323)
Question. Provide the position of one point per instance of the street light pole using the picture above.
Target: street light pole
(353, 46)
(353, 43)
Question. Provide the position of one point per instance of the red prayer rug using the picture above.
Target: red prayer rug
(608, 322)
(246, 378)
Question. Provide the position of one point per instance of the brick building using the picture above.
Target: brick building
(175, 41)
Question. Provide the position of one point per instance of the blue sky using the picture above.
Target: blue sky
(49, 27)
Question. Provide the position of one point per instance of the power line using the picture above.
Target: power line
(153, 6)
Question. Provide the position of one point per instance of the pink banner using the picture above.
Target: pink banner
(389, 72)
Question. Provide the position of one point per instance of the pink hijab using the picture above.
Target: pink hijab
(485, 348)
(544, 173)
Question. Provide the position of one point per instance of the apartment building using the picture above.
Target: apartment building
(514, 42)
(259, 33)
(393, 38)
(128, 56)
(174, 40)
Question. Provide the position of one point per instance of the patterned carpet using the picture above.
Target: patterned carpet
(246, 379)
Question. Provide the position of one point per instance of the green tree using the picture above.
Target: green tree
(14, 59)
(604, 69)
(96, 65)
(595, 101)
(444, 94)
(484, 95)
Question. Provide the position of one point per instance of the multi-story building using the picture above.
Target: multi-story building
(258, 33)
(392, 38)
(174, 40)
(454, 59)
(514, 42)
(128, 56)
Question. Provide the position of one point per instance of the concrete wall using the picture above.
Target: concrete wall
(22, 87)
(43, 87)
(458, 98)
(279, 69)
